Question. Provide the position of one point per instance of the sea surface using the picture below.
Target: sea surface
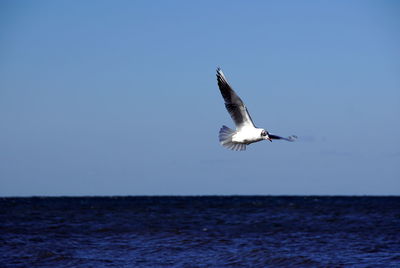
(209, 231)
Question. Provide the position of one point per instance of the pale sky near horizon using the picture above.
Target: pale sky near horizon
(120, 97)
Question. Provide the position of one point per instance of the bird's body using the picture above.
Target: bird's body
(246, 132)
(248, 135)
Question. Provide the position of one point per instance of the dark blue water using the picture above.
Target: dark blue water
(200, 232)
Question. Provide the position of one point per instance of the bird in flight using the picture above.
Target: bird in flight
(246, 132)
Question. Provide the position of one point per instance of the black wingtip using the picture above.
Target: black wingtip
(220, 74)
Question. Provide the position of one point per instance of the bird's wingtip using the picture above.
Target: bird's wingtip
(220, 73)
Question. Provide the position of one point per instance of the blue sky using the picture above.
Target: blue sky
(120, 97)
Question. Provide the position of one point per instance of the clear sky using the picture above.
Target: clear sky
(120, 97)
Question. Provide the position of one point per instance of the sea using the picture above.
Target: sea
(200, 231)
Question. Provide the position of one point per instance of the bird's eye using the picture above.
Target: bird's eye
(263, 133)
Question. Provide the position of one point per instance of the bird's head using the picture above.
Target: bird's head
(265, 135)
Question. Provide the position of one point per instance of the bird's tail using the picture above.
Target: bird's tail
(225, 138)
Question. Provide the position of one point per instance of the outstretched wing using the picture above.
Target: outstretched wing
(290, 138)
(233, 103)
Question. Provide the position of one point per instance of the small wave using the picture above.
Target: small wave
(293, 260)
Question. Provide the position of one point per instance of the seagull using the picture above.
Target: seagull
(246, 132)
